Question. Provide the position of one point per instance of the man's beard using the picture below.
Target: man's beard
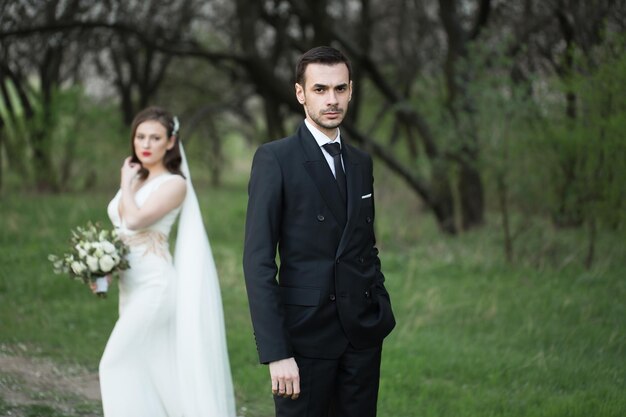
(330, 124)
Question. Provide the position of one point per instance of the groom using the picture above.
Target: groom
(321, 325)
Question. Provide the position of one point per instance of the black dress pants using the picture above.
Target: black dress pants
(342, 387)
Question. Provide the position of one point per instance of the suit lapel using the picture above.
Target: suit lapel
(318, 169)
(354, 182)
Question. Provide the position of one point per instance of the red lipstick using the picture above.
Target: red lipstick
(146, 153)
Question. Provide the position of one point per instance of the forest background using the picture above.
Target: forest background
(497, 130)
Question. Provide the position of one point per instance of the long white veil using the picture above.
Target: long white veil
(204, 370)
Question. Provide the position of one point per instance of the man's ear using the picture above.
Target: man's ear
(300, 93)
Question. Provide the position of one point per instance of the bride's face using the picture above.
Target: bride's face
(151, 143)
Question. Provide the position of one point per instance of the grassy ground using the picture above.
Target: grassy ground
(475, 337)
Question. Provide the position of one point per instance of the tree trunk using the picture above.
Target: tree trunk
(444, 213)
(458, 78)
(126, 104)
(591, 245)
(441, 199)
(44, 175)
(216, 158)
(273, 118)
(1, 150)
(568, 213)
(472, 198)
(506, 224)
(45, 178)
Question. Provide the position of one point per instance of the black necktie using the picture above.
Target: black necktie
(334, 149)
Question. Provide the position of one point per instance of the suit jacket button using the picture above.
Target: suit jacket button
(361, 259)
(367, 294)
(320, 217)
(332, 297)
(368, 219)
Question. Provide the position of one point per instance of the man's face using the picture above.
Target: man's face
(325, 96)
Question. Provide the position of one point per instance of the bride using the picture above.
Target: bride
(167, 354)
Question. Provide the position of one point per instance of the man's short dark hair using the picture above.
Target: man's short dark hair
(320, 55)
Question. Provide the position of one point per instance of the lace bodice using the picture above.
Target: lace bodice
(162, 226)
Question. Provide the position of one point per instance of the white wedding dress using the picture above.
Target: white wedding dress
(167, 355)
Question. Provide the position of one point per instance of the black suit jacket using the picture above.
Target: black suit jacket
(330, 289)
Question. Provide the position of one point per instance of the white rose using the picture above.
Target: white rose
(87, 246)
(106, 263)
(97, 247)
(92, 263)
(108, 247)
(78, 267)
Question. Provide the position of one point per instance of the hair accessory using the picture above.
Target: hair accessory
(176, 126)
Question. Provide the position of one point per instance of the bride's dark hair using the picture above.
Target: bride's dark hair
(172, 158)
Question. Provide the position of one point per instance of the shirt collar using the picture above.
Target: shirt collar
(319, 137)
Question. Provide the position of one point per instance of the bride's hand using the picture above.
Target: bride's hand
(129, 170)
(94, 288)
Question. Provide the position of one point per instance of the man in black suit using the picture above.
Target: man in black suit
(321, 325)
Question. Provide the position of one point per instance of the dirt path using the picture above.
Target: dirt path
(34, 386)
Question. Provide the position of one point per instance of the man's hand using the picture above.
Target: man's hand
(285, 378)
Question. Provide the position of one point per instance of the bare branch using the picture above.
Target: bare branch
(175, 48)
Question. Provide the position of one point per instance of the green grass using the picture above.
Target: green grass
(475, 337)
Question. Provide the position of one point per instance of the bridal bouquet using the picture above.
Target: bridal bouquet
(94, 253)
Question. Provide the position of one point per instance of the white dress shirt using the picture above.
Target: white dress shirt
(322, 140)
